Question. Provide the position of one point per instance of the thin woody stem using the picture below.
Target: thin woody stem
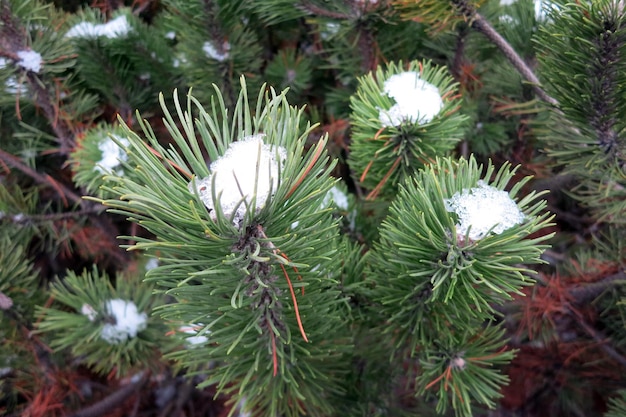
(38, 218)
(585, 293)
(600, 339)
(479, 23)
(64, 192)
(113, 401)
(60, 128)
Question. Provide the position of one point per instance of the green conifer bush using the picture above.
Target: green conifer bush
(274, 208)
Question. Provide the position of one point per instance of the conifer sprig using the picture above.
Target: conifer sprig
(265, 287)
(443, 281)
(457, 275)
(105, 320)
(587, 132)
(462, 369)
(392, 138)
(617, 405)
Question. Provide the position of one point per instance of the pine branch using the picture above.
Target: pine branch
(219, 40)
(66, 194)
(211, 11)
(12, 41)
(605, 82)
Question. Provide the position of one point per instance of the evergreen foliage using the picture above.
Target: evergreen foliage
(91, 329)
(426, 219)
(383, 155)
(587, 135)
(270, 282)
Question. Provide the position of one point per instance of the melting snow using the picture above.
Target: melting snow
(112, 154)
(89, 311)
(482, 208)
(417, 101)
(212, 52)
(235, 176)
(115, 28)
(338, 196)
(195, 340)
(127, 321)
(29, 60)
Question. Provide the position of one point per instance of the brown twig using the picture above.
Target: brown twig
(64, 192)
(478, 22)
(39, 218)
(60, 128)
(367, 46)
(67, 194)
(600, 339)
(585, 293)
(108, 404)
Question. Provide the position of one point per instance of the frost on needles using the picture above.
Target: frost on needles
(246, 174)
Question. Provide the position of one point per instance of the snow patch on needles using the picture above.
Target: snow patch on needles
(235, 177)
(115, 28)
(112, 154)
(212, 52)
(89, 311)
(195, 339)
(127, 321)
(482, 208)
(30, 60)
(12, 86)
(417, 101)
(151, 264)
(338, 196)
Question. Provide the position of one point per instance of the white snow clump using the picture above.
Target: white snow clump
(29, 60)
(339, 197)
(482, 208)
(195, 340)
(89, 311)
(417, 101)
(115, 28)
(212, 52)
(151, 264)
(112, 155)
(235, 176)
(127, 321)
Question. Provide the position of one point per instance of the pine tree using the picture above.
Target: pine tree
(286, 208)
